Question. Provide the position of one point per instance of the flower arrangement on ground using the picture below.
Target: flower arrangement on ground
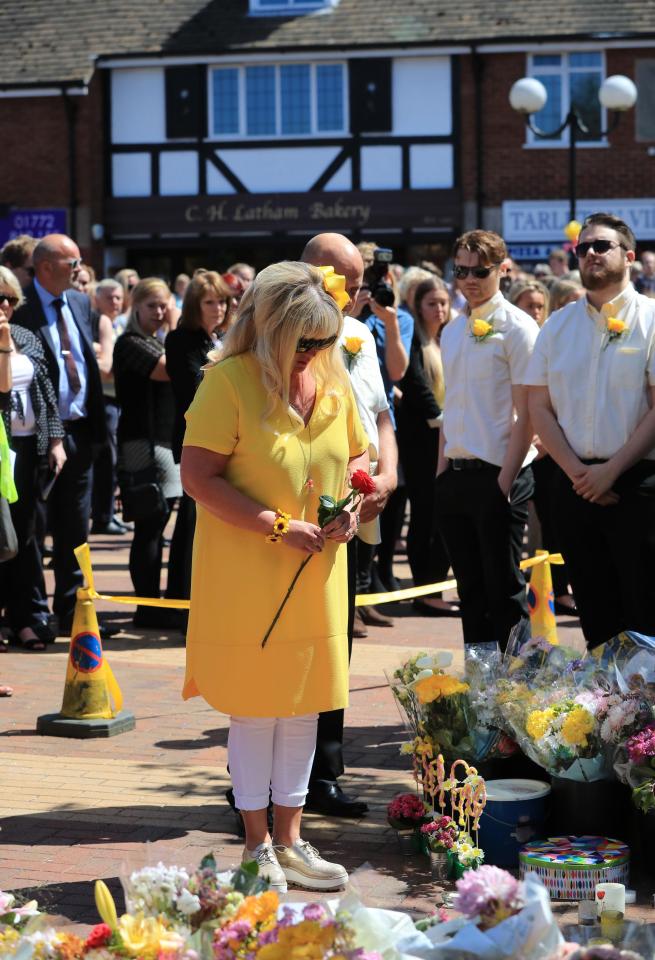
(407, 812)
(441, 834)
(488, 896)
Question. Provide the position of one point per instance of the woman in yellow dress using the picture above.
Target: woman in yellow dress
(272, 427)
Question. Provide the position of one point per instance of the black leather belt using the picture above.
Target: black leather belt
(471, 463)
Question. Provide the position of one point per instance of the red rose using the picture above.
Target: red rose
(99, 937)
(361, 482)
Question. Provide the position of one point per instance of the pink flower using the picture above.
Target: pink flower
(641, 746)
(406, 806)
(490, 893)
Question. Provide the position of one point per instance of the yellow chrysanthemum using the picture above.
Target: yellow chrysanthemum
(353, 345)
(259, 909)
(614, 325)
(141, 935)
(437, 686)
(307, 940)
(537, 724)
(480, 328)
(576, 726)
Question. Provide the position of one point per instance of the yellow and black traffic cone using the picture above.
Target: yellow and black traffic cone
(541, 600)
(93, 702)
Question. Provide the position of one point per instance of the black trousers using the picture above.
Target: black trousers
(544, 471)
(328, 759)
(104, 468)
(146, 554)
(178, 585)
(23, 586)
(610, 554)
(426, 550)
(483, 532)
(69, 509)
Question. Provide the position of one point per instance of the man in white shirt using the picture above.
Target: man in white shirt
(484, 480)
(333, 249)
(592, 400)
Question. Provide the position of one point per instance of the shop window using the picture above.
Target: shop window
(571, 80)
(273, 100)
(645, 113)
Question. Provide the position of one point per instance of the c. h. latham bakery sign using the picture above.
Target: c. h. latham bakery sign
(277, 213)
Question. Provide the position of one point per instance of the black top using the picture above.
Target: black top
(147, 406)
(418, 404)
(186, 354)
(42, 393)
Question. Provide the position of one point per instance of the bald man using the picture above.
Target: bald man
(61, 319)
(333, 249)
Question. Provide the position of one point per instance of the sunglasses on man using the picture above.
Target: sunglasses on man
(480, 273)
(6, 298)
(305, 344)
(598, 246)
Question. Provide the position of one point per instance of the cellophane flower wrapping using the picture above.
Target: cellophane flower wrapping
(432, 705)
(482, 671)
(549, 701)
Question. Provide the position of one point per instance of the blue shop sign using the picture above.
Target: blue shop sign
(35, 223)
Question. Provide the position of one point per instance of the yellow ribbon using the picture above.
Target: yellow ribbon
(83, 555)
(335, 285)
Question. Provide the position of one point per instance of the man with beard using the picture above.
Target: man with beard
(592, 402)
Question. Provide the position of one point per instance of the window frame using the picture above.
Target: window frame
(564, 72)
(242, 136)
(282, 7)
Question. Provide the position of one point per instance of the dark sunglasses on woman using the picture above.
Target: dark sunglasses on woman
(6, 298)
(305, 344)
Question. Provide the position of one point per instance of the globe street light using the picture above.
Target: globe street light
(529, 96)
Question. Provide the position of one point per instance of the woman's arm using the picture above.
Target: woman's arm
(105, 356)
(159, 371)
(202, 478)
(344, 527)
(6, 350)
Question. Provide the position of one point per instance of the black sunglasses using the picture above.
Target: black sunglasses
(598, 246)
(12, 301)
(480, 273)
(305, 344)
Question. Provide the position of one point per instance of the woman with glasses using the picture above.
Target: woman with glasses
(272, 427)
(206, 317)
(35, 433)
(145, 427)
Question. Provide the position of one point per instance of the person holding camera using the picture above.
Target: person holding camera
(378, 306)
(149, 476)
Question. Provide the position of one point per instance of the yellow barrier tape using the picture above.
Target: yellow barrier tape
(83, 554)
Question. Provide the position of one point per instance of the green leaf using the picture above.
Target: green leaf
(208, 862)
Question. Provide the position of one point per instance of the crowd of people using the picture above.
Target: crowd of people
(467, 392)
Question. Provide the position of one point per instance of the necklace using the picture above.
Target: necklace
(308, 484)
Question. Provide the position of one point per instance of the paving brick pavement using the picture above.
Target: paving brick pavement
(72, 811)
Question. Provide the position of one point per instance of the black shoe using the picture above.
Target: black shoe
(327, 797)
(43, 632)
(111, 529)
(427, 610)
(159, 618)
(105, 630)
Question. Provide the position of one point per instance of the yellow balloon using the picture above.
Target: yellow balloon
(572, 230)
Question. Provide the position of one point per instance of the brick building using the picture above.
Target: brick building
(166, 134)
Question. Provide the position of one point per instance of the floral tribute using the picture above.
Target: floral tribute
(488, 896)
(352, 348)
(480, 329)
(615, 329)
(176, 915)
(360, 485)
(406, 811)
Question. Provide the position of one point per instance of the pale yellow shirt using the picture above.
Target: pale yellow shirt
(479, 375)
(599, 388)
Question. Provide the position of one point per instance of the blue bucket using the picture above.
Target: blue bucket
(515, 813)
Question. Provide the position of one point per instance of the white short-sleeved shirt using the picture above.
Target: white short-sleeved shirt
(479, 375)
(598, 387)
(370, 397)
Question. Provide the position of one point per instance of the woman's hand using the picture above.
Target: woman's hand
(304, 536)
(5, 335)
(343, 528)
(56, 455)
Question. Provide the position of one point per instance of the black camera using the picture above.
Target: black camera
(374, 277)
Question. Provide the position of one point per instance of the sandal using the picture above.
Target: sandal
(34, 643)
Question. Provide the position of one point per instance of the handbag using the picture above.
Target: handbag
(141, 494)
(8, 494)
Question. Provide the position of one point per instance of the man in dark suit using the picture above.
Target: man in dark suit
(60, 318)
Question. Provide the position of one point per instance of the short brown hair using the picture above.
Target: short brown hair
(614, 223)
(489, 246)
(203, 281)
(17, 251)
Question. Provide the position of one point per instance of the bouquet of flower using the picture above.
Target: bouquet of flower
(441, 833)
(482, 670)
(14, 914)
(406, 812)
(465, 853)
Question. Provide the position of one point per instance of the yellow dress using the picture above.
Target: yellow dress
(239, 579)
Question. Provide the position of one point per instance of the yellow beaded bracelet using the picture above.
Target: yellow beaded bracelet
(280, 526)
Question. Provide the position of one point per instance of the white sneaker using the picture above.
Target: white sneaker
(265, 858)
(303, 865)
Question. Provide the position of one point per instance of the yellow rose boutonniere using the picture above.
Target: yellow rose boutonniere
(480, 329)
(615, 329)
(352, 347)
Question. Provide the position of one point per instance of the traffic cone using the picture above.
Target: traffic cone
(93, 702)
(541, 601)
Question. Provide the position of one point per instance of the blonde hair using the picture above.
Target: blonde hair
(285, 302)
(144, 289)
(519, 287)
(8, 279)
(560, 292)
(432, 362)
(410, 281)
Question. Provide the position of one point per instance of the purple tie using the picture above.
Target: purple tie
(65, 342)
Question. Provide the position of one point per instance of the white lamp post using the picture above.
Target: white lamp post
(529, 96)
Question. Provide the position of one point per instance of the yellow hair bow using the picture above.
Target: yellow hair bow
(335, 285)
